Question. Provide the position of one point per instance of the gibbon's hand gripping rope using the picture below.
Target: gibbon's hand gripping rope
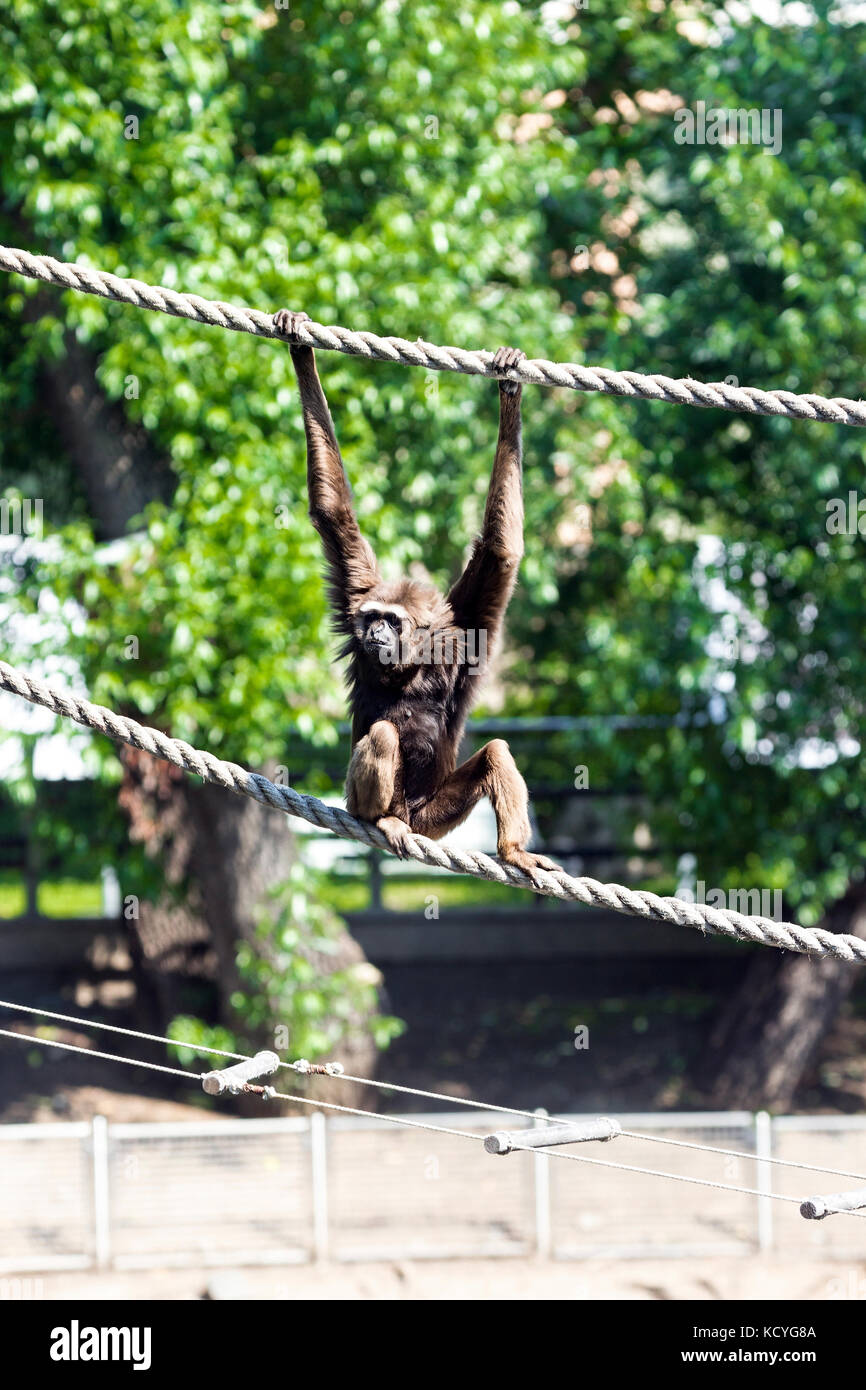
(534, 371)
(723, 922)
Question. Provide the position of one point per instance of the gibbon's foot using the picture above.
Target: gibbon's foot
(504, 358)
(287, 321)
(398, 835)
(529, 863)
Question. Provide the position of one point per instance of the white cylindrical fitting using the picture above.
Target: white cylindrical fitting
(816, 1208)
(594, 1127)
(231, 1080)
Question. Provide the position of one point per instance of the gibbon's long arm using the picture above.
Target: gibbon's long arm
(351, 564)
(480, 596)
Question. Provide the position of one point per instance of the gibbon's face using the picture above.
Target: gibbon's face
(389, 626)
(384, 631)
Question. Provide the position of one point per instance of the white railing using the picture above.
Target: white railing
(284, 1191)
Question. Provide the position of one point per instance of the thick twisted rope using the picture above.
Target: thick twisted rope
(723, 922)
(535, 371)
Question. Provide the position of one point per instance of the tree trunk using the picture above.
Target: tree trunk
(115, 460)
(225, 852)
(236, 855)
(769, 1033)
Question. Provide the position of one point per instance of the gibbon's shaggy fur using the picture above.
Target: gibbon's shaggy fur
(415, 655)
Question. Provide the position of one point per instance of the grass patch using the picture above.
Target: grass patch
(62, 897)
(66, 897)
(409, 894)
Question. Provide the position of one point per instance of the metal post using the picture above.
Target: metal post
(31, 849)
(31, 886)
(319, 1161)
(112, 902)
(541, 1165)
(101, 1191)
(374, 860)
(764, 1149)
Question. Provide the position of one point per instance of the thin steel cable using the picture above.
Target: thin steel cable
(269, 1093)
(737, 1153)
(392, 1086)
(243, 1057)
(674, 1177)
(103, 1056)
(534, 371)
(613, 896)
(453, 1100)
(623, 1133)
(125, 1032)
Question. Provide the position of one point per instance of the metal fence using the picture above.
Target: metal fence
(285, 1191)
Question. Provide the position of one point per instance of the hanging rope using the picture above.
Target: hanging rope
(534, 371)
(736, 926)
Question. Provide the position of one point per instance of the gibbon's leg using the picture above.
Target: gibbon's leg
(374, 783)
(491, 772)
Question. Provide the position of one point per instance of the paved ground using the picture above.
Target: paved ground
(472, 1280)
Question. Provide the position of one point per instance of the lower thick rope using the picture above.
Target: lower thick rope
(720, 921)
(535, 371)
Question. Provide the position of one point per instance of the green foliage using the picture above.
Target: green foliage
(288, 162)
(300, 162)
(747, 265)
(328, 203)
